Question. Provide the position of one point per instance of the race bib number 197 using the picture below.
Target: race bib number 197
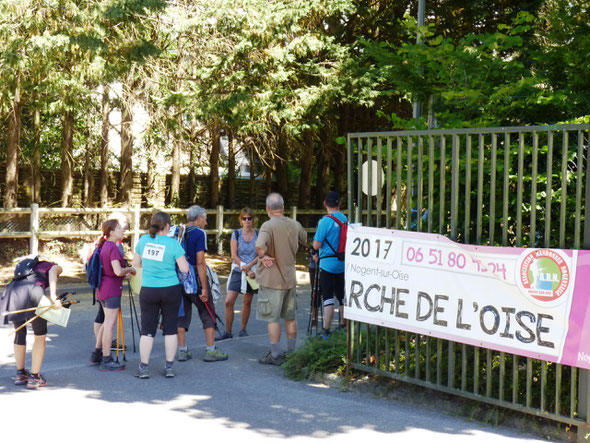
(153, 252)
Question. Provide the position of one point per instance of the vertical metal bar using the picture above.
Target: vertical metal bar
(397, 352)
(533, 234)
(430, 180)
(451, 366)
(407, 353)
(467, 189)
(464, 367)
(388, 190)
(358, 347)
(506, 201)
(387, 353)
(573, 390)
(543, 385)
(369, 181)
(427, 358)
(438, 361)
(480, 169)
(558, 377)
(515, 379)
(488, 372)
(529, 381)
(409, 185)
(379, 183)
(349, 183)
(417, 357)
(442, 227)
(377, 353)
(579, 178)
(476, 371)
(398, 189)
(502, 375)
(564, 160)
(548, 191)
(519, 189)
(359, 193)
(493, 166)
(420, 184)
(454, 186)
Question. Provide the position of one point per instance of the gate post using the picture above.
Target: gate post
(584, 377)
(34, 228)
(219, 230)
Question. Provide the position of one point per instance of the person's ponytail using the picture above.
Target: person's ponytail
(159, 222)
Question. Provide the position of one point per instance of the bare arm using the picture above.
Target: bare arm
(136, 260)
(234, 251)
(202, 272)
(52, 275)
(182, 263)
(119, 271)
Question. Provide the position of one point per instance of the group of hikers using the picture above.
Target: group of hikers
(263, 264)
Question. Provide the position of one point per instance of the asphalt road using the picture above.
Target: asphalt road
(236, 399)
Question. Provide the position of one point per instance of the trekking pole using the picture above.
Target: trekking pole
(118, 329)
(31, 320)
(131, 306)
(123, 335)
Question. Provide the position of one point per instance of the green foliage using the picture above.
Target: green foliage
(317, 356)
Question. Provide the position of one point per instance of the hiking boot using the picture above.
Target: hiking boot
(170, 373)
(36, 381)
(22, 377)
(142, 373)
(268, 359)
(184, 355)
(225, 336)
(215, 355)
(95, 357)
(111, 365)
(243, 333)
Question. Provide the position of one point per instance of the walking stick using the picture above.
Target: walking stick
(32, 319)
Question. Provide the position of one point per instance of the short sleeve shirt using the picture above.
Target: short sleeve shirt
(158, 258)
(246, 250)
(329, 232)
(111, 285)
(195, 241)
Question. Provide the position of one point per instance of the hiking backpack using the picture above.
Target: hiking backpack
(340, 252)
(94, 272)
(188, 280)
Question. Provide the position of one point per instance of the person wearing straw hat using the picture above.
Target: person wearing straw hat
(31, 278)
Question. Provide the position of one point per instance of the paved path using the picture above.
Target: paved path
(236, 399)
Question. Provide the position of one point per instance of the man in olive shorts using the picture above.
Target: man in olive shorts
(276, 246)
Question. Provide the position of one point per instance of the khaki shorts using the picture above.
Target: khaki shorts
(274, 304)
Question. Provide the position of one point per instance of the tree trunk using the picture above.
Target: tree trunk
(126, 171)
(252, 196)
(214, 165)
(152, 177)
(323, 171)
(192, 179)
(104, 148)
(12, 151)
(175, 178)
(340, 166)
(67, 158)
(36, 172)
(88, 178)
(231, 170)
(282, 170)
(306, 165)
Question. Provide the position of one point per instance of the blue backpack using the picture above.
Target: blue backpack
(188, 280)
(94, 270)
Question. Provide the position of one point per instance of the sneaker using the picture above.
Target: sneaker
(35, 382)
(142, 373)
(22, 377)
(243, 333)
(225, 336)
(268, 359)
(114, 346)
(184, 355)
(325, 333)
(111, 365)
(95, 358)
(215, 355)
(170, 373)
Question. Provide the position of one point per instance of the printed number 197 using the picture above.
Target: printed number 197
(364, 247)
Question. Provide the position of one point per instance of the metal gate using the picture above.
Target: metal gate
(513, 186)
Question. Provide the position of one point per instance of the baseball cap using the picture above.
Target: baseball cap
(332, 199)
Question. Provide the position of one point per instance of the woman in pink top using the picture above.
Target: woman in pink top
(111, 287)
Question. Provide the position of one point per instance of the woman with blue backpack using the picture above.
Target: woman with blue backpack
(160, 292)
(243, 272)
(109, 293)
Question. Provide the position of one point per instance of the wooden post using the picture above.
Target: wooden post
(34, 243)
(136, 221)
(294, 212)
(219, 229)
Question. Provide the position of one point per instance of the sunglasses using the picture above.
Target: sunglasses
(246, 218)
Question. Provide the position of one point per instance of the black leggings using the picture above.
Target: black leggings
(39, 326)
(154, 301)
(332, 287)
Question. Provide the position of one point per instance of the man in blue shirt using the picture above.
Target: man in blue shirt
(326, 240)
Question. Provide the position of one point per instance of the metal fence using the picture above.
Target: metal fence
(38, 223)
(514, 186)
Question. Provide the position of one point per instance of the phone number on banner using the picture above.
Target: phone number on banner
(455, 259)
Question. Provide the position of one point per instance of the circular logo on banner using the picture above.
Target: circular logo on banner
(544, 274)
